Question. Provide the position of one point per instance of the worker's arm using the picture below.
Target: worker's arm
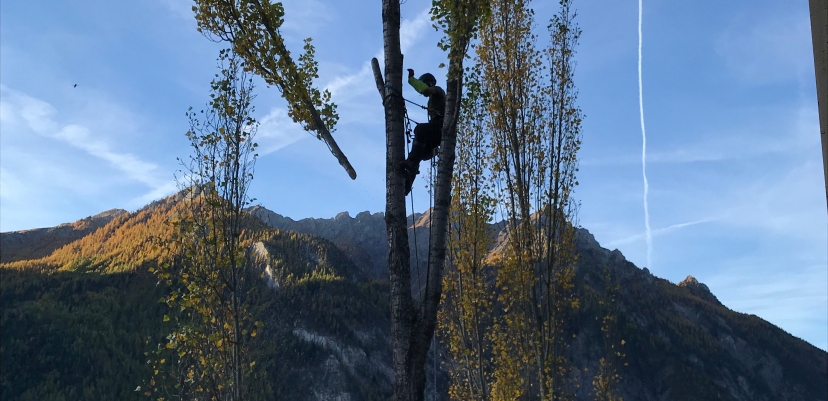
(418, 85)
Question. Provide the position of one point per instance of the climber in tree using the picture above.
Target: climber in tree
(427, 136)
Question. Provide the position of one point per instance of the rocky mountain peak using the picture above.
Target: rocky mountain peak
(699, 289)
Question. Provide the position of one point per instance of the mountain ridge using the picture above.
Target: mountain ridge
(40, 242)
(682, 343)
(686, 327)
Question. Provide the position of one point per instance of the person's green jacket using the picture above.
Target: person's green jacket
(436, 98)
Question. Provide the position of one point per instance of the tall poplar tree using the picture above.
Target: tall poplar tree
(206, 355)
(469, 293)
(533, 127)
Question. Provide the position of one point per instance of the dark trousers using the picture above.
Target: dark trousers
(427, 137)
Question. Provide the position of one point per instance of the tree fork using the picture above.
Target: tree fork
(412, 330)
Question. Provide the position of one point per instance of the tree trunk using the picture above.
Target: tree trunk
(402, 316)
(412, 328)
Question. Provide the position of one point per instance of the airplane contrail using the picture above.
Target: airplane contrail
(649, 235)
(661, 231)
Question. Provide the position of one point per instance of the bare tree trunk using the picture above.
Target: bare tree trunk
(412, 328)
(402, 310)
(442, 201)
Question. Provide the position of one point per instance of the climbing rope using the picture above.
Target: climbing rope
(397, 93)
(413, 223)
(432, 180)
(408, 121)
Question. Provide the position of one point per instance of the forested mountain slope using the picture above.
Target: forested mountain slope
(76, 322)
(681, 343)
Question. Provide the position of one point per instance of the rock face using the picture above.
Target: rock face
(39, 242)
(698, 289)
(363, 238)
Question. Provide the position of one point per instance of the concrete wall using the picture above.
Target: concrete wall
(819, 34)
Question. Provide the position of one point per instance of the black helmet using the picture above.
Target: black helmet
(428, 79)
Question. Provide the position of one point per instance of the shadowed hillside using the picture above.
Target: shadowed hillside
(91, 304)
(681, 342)
(76, 323)
(41, 242)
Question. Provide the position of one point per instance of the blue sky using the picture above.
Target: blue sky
(736, 187)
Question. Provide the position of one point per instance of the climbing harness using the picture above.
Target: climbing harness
(432, 178)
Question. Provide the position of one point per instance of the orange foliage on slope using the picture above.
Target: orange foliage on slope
(124, 244)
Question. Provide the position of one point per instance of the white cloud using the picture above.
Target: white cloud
(39, 117)
(411, 30)
(135, 168)
(345, 87)
(277, 130)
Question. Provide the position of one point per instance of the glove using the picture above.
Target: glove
(410, 73)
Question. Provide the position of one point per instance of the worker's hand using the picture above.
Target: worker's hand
(410, 73)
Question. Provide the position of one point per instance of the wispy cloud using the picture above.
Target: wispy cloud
(351, 85)
(791, 205)
(304, 18)
(39, 117)
(159, 192)
(11, 186)
(789, 132)
(659, 232)
(181, 8)
(794, 299)
(277, 130)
